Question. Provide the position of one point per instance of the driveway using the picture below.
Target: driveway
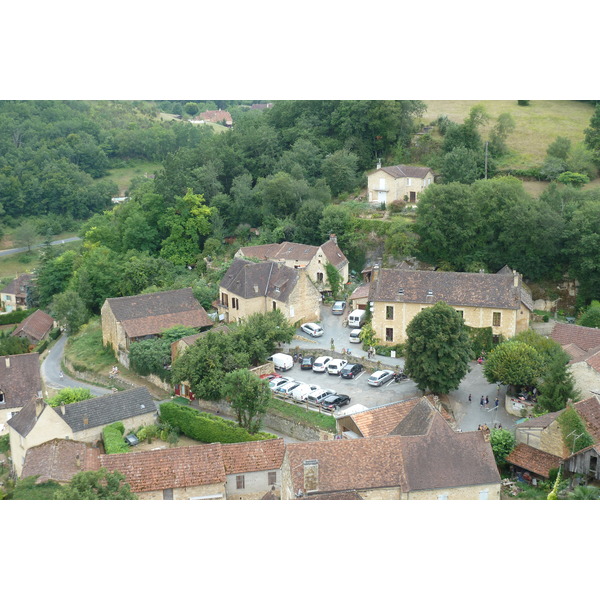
(51, 369)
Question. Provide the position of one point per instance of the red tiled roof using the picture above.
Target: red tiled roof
(214, 116)
(589, 411)
(586, 338)
(594, 361)
(170, 468)
(35, 327)
(246, 457)
(533, 460)
(381, 420)
(362, 291)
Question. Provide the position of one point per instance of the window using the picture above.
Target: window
(240, 483)
(272, 477)
(389, 334)
(408, 181)
(461, 313)
(593, 465)
(389, 312)
(168, 494)
(1, 397)
(274, 305)
(224, 300)
(483, 495)
(319, 277)
(496, 319)
(235, 303)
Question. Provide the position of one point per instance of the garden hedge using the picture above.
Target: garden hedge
(205, 427)
(16, 316)
(112, 436)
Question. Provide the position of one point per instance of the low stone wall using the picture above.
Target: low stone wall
(276, 423)
(96, 378)
(158, 382)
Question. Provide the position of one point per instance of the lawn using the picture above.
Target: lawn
(123, 176)
(537, 125)
(15, 264)
(86, 349)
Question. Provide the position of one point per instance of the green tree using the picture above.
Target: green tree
(340, 170)
(191, 108)
(513, 363)
(28, 489)
(504, 126)
(460, 165)
(69, 396)
(96, 485)
(12, 344)
(400, 241)
(335, 280)
(591, 316)
(437, 349)
(26, 235)
(503, 443)
(70, 311)
(592, 135)
(560, 148)
(558, 387)
(249, 396)
(575, 179)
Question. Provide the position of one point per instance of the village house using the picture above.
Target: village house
(496, 300)
(302, 256)
(432, 462)
(14, 295)
(58, 460)
(398, 182)
(20, 381)
(36, 327)
(248, 288)
(37, 422)
(213, 116)
(585, 463)
(134, 318)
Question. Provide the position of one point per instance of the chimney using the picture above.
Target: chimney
(375, 273)
(379, 163)
(311, 476)
(86, 421)
(62, 409)
(515, 278)
(39, 407)
(333, 238)
(7, 361)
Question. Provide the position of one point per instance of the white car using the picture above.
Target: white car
(320, 365)
(335, 366)
(312, 329)
(287, 387)
(302, 391)
(275, 383)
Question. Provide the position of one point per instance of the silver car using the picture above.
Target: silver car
(312, 329)
(380, 377)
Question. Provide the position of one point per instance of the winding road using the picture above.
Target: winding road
(54, 243)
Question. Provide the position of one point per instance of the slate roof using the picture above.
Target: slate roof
(397, 171)
(441, 459)
(489, 290)
(586, 338)
(20, 379)
(59, 460)
(252, 280)
(539, 422)
(533, 460)
(18, 286)
(170, 468)
(24, 421)
(247, 457)
(151, 314)
(417, 421)
(107, 409)
(35, 327)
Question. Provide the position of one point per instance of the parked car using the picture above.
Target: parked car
(335, 366)
(275, 383)
(338, 308)
(312, 329)
(307, 362)
(318, 395)
(300, 393)
(320, 365)
(350, 371)
(287, 386)
(355, 336)
(335, 401)
(380, 377)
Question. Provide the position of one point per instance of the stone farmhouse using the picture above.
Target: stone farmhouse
(36, 327)
(20, 382)
(14, 295)
(133, 318)
(37, 422)
(496, 300)
(249, 287)
(398, 182)
(301, 256)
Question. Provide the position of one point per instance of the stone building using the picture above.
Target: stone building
(398, 182)
(36, 327)
(14, 295)
(20, 381)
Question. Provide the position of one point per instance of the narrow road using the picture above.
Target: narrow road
(51, 370)
(54, 243)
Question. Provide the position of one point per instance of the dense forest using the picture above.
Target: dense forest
(296, 171)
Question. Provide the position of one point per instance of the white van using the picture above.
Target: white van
(355, 336)
(356, 318)
(317, 395)
(281, 362)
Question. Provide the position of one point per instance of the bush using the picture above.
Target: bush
(15, 317)
(55, 333)
(69, 396)
(205, 427)
(523, 102)
(387, 350)
(4, 444)
(112, 437)
(41, 346)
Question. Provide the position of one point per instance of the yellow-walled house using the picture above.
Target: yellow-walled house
(398, 182)
(496, 300)
(249, 287)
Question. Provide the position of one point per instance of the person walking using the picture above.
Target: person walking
(469, 397)
(481, 402)
(496, 402)
(487, 400)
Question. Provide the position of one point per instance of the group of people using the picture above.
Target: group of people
(113, 372)
(370, 352)
(484, 427)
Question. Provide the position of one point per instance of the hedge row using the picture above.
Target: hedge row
(16, 316)
(112, 436)
(205, 427)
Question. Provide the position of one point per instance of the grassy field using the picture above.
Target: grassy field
(123, 176)
(13, 265)
(537, 125)
(86, 348)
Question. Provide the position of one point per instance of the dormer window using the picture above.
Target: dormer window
(277, 290)
(429, 293)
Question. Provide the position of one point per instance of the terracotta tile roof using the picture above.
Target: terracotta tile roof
(246, 457)
(594, 361)
(302, 253)
(214, 116)
(586, 338)
(170, 468)
(334, 254)
(20, 379)
(150, 314)
(589, 411)
(533, 460)
(397, 171)
(35, 327)
(59, 460)
(382, 420)
(263, 252)
(18, 286)
(252, 280)
(456, 289)
(575, 352)
(417, 421)
(362, 291)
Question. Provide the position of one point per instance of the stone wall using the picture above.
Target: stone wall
(96, 378)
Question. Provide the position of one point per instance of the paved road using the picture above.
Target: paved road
(55, 243)
(51, 370)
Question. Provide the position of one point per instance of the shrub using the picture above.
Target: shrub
(41, 346)
(4, 444)
(205, 427)
(55, 333)
(69, 395)
(15, 317)
(112, 437)
(523, 102)
(387, 350)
